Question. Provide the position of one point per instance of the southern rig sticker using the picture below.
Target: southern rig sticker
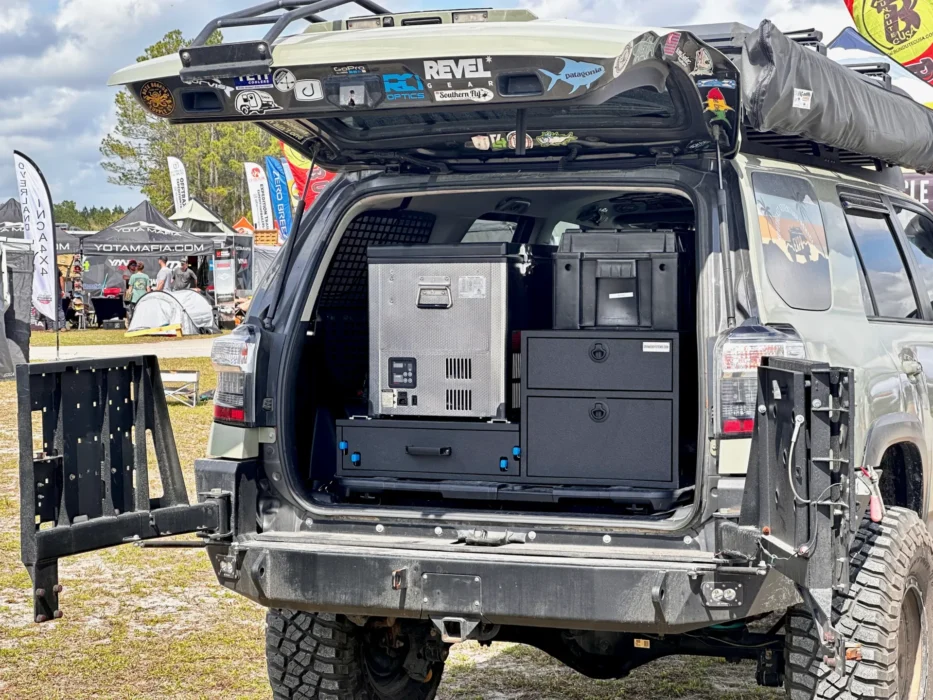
(157, 98)
(656, 347)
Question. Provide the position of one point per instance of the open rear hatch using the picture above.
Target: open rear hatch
(406, 96)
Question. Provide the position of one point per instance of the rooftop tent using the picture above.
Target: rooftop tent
(184, 308)
(11, 219)
(144, 235)
(195, 217)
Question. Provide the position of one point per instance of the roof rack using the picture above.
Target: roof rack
(230, 60)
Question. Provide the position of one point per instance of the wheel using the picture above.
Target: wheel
(887, 611)
(319, 655)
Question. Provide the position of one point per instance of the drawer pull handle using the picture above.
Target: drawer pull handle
(599, 412)
(599, 352)
(428, 451)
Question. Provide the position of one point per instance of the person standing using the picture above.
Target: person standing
(186, 278)
(139, 284)
(165, 279)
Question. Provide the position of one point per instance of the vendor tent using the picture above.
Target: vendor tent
(16, 261)
(11, 226)
(142, 235)
(184, 308)
(11, 219)
(195, 217)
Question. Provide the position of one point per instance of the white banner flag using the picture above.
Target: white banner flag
(179, 177)
(258, 184)
(39, 227)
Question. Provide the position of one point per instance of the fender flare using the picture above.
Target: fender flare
(891, 429)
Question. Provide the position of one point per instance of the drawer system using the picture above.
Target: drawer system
(601, 408)
(428, 449)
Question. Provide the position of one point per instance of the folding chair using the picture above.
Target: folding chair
(182, 386)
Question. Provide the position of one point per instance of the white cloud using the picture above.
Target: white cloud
(829, 16)
(13, 18)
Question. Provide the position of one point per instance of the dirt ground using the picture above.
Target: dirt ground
(144, 623)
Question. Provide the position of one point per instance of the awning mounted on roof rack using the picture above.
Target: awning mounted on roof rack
(790, 90)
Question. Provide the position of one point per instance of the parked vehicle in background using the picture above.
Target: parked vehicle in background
(615, 342)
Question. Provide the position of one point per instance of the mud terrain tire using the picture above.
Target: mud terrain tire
(319, 656)
(888, 611)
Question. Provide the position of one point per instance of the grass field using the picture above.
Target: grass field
(143, 623)
(95, 336)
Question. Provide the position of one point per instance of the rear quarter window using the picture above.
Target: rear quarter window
(793, 240)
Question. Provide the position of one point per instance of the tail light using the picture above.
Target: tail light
(739, 356)
(234, 359)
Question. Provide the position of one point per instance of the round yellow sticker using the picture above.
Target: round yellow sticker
(903, 29)
(157, 98)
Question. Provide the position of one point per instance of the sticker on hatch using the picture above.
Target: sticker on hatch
(576, 74)
(471, 287)
(656, 347)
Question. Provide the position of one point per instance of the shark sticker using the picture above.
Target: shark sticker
(576, 74)
(716, 104)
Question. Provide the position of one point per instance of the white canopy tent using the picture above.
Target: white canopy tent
(196, 218)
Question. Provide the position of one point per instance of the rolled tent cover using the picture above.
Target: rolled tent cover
(791, 90)
(142, 235)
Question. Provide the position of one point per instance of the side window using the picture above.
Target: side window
(793, 240)
(490, 231)
(889, 284)
(918, 228)
(558, 233)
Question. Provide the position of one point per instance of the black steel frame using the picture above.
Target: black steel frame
(88, 486)
(232, 59)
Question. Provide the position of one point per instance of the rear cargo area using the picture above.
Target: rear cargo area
(523, 351)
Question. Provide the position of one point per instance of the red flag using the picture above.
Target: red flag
(299, 165)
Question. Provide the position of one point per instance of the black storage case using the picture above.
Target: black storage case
(431, 450)
(601, 408)
(617, 280)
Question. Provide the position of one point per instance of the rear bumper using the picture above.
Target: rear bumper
(622, 595)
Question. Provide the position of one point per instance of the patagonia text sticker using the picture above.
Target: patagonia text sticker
(471, 287)
(656, 347)
(802, 98)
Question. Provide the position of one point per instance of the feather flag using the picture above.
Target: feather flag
(299, 165)
(902, 29)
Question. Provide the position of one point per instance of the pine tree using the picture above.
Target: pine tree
(135, 152)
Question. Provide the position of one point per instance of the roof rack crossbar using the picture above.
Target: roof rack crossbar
(294, 10)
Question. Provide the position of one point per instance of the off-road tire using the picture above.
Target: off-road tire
(319, 656)
(891, 567)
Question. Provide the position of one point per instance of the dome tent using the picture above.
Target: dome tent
(185, 308)
(142, 235)
(195, 217)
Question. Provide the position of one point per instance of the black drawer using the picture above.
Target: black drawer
(584, 361)
(428, 449)
(600, 440)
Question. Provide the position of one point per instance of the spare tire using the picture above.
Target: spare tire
(886, 616)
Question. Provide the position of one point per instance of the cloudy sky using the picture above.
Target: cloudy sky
(56, 56)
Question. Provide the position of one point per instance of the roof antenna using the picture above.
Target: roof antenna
(725, 243)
